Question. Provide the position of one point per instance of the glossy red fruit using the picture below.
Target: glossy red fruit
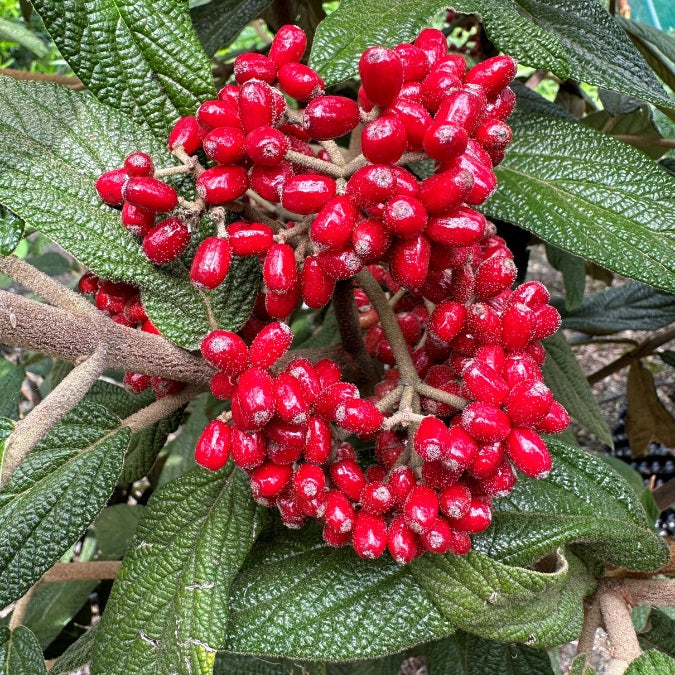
(460, 449)
(493, 276)
(359, 416)
(211, 263)
(286, 434)
(162, 386)
(328, 117)
(518, 326)
(433, 43)
(388, 448)
(288, 45)
(109, 186)
(381, 75)
(409, 262)
(477, 519)
(501, 482)
(445, 191)
(255, 391)
(431, 439)
(229, 93)
(222, 386)
(529, 453)
(462, 226)
(309, 481)
(493, 134)
(149, 327)
(333, 225)
(335, 539)
(136, 382)
(226, 351)
(486, 423)
(329, 373)
(454, 501)
(339, 265)
(484, 179)
(463, 107)
(501, 106)
(414, 61)
(531, 293)
(486, 460)
(528, 403)
(376, 497)
(447, 320)
(269, 181)
(248, 449)
(269, 480)
(348, 477)
(307, 193)
(405, 216)
(257, 105)
(300, 82)
(436, 87)
(556, 421)
(222, 184)
(520, 368)
(547, 321)
(213, 446)
(421, 508)
(282, 305)
(384, 140)
(371, 240)
(150, 193)
(303, 371)
(484, 324)
(250, 238)
(270, 344)
(444, 142)
(415, 118)
(289, 510)
(280, 271)
(137, 220)
(317, 287)
(251, 66)
(290, 402)
(493, 74)
(371, 185)
(215, 113)
(225, 145)
(185, 133)
(266, 146)
(438, 538)
(139, 164)
(339, 514)
(402, 479)
(317, 441)
(369, 536)
(166, 241)
(484, 383)
(402, 543)
(88, 284)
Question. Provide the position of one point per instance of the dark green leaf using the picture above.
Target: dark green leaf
(236, 664)
(529, 101)
(140, 56)
(579, 667)
(631, 306)
(11, 378)
(55, 493)
(77, 655)
(168, 611)
(11, 231)
(220, 21)
(115, 528)
(233, 300)
(20, 652)
(659, 633)
(54, 143)
(590, 195)
(570, 387)
(389, 665)
(573, 270)
(355, 25)
(17, 32)
(652, 662)
(52, 263)
(326, 334)
(466, 654)
(668, 357)
(582, 500)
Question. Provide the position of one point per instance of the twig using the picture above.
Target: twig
(160, 409)
(65, 80)
(440, 395)
(61, 400)
(643, 349)
(592, 620)
(277, 210)
(334, 152)
(617, 619)
(81, 571)
(314, 163)
(390, 399)
(21, 608)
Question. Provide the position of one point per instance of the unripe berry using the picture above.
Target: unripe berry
(444, 142)
(255, 392)
(211, 263)
(248, 450)
(226, 351)
(477, 519)
(405, 216)
(369, 536)
(409, 262)
(222, 184)
(137, 220)
(300, 82)
(139, 164)
(166, 241)
(381, 75)
(271, 343)
(307, 193)
(485, 422)
(421, 508)
(225, 145)
(348, 477)
(384, 140)
(359, 416)
(250, 238)
(333, 225)
(213, 446)
(269, 480)
(493, 74)
(288, 45)
(251, 66)
(431, 439)
(185, 133)
(460, 227)
(455, 500)
(328, 117)
(280, 271)
(528, 453)
(414, 62)
(213, 114)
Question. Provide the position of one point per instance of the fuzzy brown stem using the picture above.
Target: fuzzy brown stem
(643, 591)
(440, 395)
(81, 571)
(29, 431)
(314, 163)
(65, 80)
(159, 409)
(21, 608)
(617, 619)
(592, 620)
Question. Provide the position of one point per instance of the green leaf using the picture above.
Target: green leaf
(20, 652)
(115, 528)
(54, 143)
(220, 21)
(582, 500)
(52, 263)
(659, 633)
(573, 270)
(355, 25)
(11, 378)
(466, 654)
(668, 357)
(168, 611)
(140, 56)
(77, 655)
(60, 487)
(236, 664)
(11, 231)
(570, 387)
(652, 662)
(579, 667)
(389, 665)
(17, 32)
(325, 335)
(590, 195)
(631, 306)
(233, 300)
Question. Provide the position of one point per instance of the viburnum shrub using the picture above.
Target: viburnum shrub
(303, 325)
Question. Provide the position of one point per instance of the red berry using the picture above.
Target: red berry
(317, 287)
(222, 386)
(339, 514)
(269, 181)
(402, 542)
(289, 510)
(230, 94)
(109, 186)
(485, 422)
(520, 368)
(226, 351)
(348, 477)
(421, 508)
(445, 191)
(384, 140)
(359, 416)
(371, 185)
(318, 441)
(556, 421)
(493, 276)
(271, 343)
(463, 108)
(89, 283)
(486, 461)
(460, 449)
(213, 446)
(502, 106)
(433, 43)
(149, 327)
(339, 265)
(334, 538)
(333, 225)
(528, 453)
(250, 238)
(405, 216)
(501, 482)
(225, 145)
(455, 500)
(280, 271)
(414, 61)
(309, 481)
(211, 263)
(282, 305)
(528, 403)
(269, 480)
(139, 164)
(137, 220)
(461, 227)
(444, 142)
(415, 118)
(447, 320)
(376, 498)
(285, 434)
(484, 383)
(266, 146)
(222, 184)
(307, 193)
(166, 241)
(291, 404)
(136, 382)
(431, 439)
(406, 183)
(162, 386)
(493, 74)
(436, 87)
(257, 105)
(251, 66)
(328, 372)
(255, 391)
(477, 519)
(371, 240)
(381, 75)
(303, 371)
(484, 324)
(402, 479)
(185, 133)
(288, 45)
(409, 262)
(438, 538)
(213, 114)
(493, 134)
(328, 117)
(300, 82)
(518, 326)
(369, 536)
(248, 449)
(547, 321)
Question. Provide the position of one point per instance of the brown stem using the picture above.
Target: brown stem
(81, 571)
(21, 608)
(314, 163)
(643, 591)
(617, 619)
(61, 400)
(159, 409)
(664, 495)
(65, 80)
(352, 337)
(643, 349)
(592, 620)
(440, 395)
(390, 399)
(334, 152)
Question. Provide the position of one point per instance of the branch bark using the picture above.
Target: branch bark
(619, 626)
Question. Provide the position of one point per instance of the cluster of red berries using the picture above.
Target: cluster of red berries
(122, 302)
